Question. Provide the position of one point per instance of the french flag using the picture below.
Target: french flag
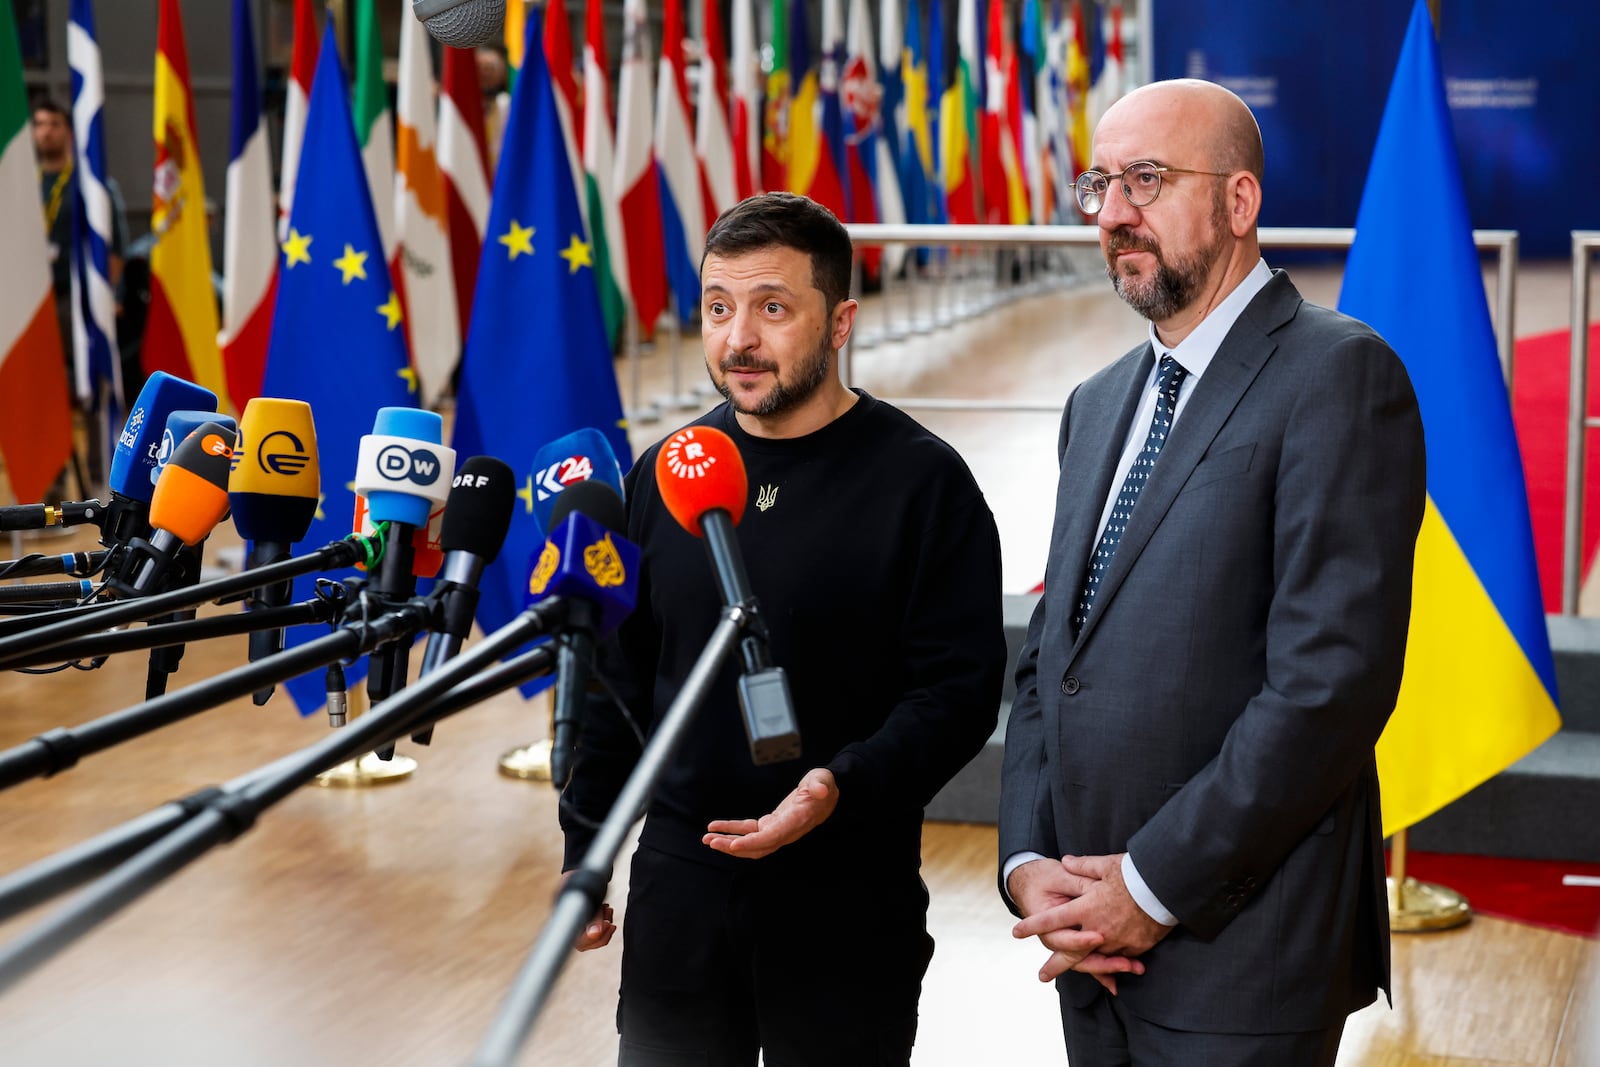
(249, 250)
(683, 224)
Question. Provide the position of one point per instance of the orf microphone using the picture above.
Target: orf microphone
(462, 23)
(701, 477)
(477, 516)
(587, 562)
(273, 489)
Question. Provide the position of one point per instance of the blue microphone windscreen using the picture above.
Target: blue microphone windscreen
(181, 424)
(415, 423)
(584, 560)
(140, 441)
(583, 455)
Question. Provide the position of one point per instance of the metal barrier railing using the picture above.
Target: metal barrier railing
(1584, 245)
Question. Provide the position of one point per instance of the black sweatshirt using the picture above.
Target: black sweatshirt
(876, 564)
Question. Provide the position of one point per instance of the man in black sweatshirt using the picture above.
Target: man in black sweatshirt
(779, 908)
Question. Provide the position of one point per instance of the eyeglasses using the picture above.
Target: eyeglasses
(1141, 184)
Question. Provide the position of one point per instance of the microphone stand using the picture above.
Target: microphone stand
(581, 894)
(95, 617)
(218, 816)
(64, 871)
(59, 749)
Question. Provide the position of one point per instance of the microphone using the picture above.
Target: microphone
(403, 469)
(138, 446)
(592, 509)
(180, 424)
(39, 516)
(462, 23)
(701, 477)
(579, 456)
(587, 562)
(273, 489)
(188, 502)
(477, 517)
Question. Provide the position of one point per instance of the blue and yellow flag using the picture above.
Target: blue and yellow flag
(1480, 688)
(337, 341)
(537, 365)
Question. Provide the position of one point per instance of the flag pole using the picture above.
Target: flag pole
(1420, 907)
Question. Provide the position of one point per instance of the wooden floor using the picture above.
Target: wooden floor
(382, 926)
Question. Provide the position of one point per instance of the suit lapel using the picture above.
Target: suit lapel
(1094, 443)
(1238, 360)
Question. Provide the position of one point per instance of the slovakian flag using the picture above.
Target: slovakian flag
(599, 164)
(635, 181)
(746, 114)
(1479, 690)
(536, 355)
(97, 366)
(337, 342)
(302, 66)
(713, 141)
(35, 405)
(832, 163)
(249, 250)
(180, 334)
(464, 166)
(422, 226)
(683, 219)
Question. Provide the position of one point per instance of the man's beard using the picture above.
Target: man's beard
(1172, 286)
(784, 396)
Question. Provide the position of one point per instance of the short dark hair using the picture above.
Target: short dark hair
(45, 103)
(787, 220)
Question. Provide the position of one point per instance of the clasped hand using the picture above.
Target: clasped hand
(1081, 910)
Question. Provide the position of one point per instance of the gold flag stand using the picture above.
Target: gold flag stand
(368, 770)
(1420, 907)
(531, 762)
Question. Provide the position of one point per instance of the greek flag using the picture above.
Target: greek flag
(95, 362)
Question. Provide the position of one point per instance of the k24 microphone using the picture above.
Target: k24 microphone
(477, 516)
(586, 561)
(580, 456)
(462, 23)
(702, 482)
(273, 489)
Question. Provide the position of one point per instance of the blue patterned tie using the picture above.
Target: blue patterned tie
(1169, 379)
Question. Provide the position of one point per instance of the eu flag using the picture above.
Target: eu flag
(537, 365)
(336, 341)
(1479, 690)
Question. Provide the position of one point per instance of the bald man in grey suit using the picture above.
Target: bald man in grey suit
(1189, 816)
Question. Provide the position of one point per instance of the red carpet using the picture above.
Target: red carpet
(1524, 891)
(1539, 407)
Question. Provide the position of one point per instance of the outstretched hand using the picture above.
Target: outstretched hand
(806, 807)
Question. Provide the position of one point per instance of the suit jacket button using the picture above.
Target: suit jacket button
(1070, 685)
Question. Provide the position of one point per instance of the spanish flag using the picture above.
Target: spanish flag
(180, 336)
(35, 417)
(1479, 690)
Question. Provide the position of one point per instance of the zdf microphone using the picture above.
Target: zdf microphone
(180, 424)
(273, 489)
(462, 23)
(189, 500)
(702, 482)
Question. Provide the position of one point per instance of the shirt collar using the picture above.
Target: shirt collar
(1196, 351)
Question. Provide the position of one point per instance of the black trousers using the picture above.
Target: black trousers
(804, 963)
(1105, 1034)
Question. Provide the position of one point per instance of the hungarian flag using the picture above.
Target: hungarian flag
(249, 252)
(422, 227)
(180, 335)
(464, 166)
(35, 412)
(599, 161)
(634, 179)
(302, 66)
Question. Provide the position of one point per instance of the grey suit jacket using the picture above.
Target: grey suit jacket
(1217, 715)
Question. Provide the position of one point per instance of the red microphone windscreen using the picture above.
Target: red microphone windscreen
(699, 469)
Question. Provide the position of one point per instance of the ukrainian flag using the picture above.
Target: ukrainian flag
(1479, 689)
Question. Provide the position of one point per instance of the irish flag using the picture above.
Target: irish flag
(35, 419)
(180, 336)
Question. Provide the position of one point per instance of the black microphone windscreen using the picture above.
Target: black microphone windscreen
(462, 23)
(477, 514)
(593, 498)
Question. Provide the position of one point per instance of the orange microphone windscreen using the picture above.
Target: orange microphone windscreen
(699, 469)
(191, 496)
